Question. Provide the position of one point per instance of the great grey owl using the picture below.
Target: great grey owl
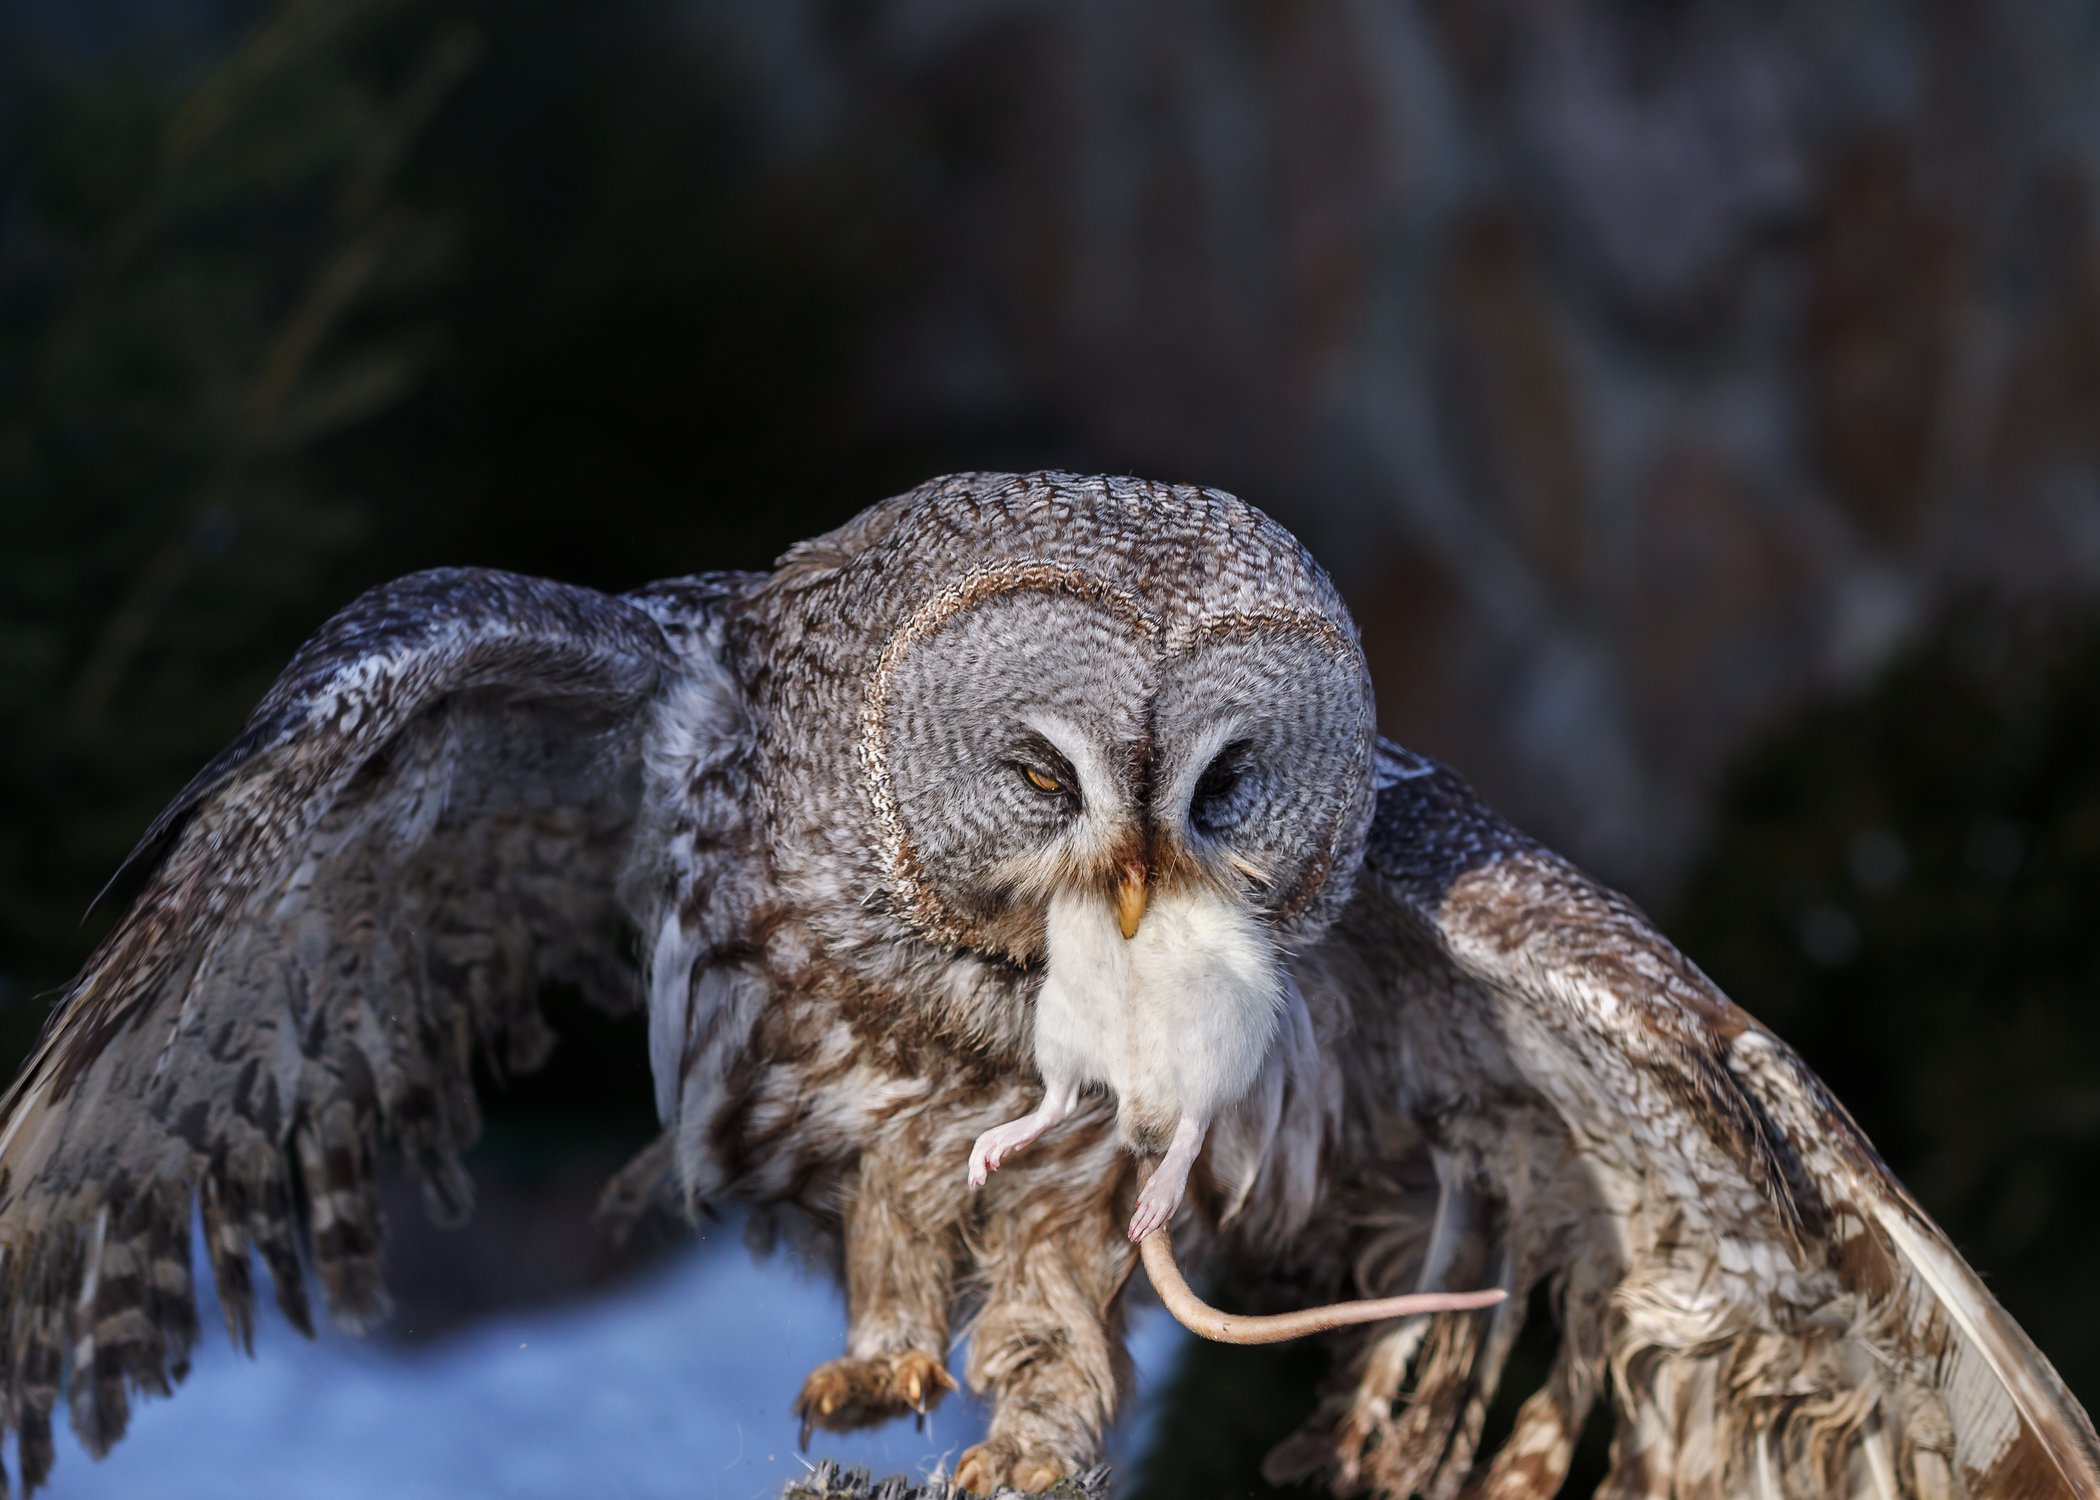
(838, 809)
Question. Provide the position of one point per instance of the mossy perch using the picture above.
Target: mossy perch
(830, 1481)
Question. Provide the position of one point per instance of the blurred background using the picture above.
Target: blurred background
(1698, 403)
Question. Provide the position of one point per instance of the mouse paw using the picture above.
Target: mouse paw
(995, 1145)
(1155, 1206)
(847, 1393)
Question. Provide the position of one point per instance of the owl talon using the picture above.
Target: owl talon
(844, 1394)
(995, 1464)
(1039, 1476)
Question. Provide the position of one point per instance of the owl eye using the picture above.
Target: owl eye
(1218, 782)
(1211, 805)
(1045, 769)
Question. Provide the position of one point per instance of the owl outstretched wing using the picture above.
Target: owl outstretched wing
(430, 814)
(1772, 1314)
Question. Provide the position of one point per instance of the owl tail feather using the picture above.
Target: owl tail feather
(1200, 1318)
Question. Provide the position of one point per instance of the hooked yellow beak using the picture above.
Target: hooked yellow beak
(1131, 896)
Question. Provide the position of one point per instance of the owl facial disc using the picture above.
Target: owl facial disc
(1034, 729)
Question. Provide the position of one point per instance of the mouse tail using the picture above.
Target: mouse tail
(1200, 1318)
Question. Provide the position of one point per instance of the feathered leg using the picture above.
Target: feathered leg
(1047, 1345)
(1364, 1436)
(900, 1283)
(1533, 1460)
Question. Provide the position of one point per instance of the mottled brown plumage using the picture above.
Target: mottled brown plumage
(1487, 1069)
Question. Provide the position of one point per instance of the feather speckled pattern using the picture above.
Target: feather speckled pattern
(425, 818)
(1772, 1314)
(816, 820)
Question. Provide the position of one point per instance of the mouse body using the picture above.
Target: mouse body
(1171, 1007)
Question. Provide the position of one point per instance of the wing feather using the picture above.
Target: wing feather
(1781, 1318)
(428, 816)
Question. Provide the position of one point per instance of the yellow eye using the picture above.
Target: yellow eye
(1040, 781)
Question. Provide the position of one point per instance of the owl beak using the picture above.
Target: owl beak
(1131, 896)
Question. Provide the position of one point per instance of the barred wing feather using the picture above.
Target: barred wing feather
(1771, 1312)
(426, 818)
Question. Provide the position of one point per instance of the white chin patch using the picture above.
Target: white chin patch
(1175, 1020)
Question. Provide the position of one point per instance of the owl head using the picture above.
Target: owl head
(1105, 689)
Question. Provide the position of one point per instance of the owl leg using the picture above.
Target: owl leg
(1002, 1141)
(1047, 1345)
(900, 1285)
(1163, 1190)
